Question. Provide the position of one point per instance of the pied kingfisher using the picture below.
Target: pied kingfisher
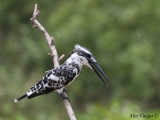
(63, 75)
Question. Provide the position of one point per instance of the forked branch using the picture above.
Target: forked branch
(50, 42)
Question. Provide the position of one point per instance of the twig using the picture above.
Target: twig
(61, 58)
(50, 42)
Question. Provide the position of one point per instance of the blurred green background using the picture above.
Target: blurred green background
(122, 34)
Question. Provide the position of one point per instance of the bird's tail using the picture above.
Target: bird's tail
(20, 98)
(39, 88)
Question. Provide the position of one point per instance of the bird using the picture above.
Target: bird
(58, 78)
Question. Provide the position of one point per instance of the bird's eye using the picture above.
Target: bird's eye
(88, 55)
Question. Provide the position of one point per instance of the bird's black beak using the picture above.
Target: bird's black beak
(94, 65)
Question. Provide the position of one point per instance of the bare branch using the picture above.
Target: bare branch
(61, 58)
(35, 9)
(50, 54)
(50, 42)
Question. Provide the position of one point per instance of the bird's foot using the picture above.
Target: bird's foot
(64, 90)
(63, 95)
(66, 98)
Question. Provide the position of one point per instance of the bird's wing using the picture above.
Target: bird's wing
(47, 84)
(55, 79)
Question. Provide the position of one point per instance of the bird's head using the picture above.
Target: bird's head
(87, 58)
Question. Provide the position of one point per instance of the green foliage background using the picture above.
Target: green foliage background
(122, 34)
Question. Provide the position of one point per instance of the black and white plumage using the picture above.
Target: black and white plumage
(61, 76)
